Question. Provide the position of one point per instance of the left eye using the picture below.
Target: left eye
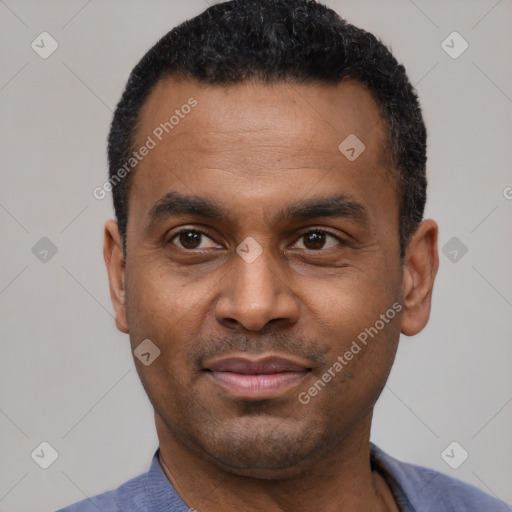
(316, 240)
(192, 239)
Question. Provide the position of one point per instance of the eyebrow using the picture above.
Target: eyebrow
(174, 203)
(339, 206)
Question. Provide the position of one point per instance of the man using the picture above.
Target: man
(267, 162)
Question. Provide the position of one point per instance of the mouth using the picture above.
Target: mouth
(257, 379)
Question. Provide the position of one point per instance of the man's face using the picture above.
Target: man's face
(243, 334)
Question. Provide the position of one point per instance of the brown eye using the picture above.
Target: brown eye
(192, 239)
(316, 240)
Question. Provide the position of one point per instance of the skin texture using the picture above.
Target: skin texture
(256, 150)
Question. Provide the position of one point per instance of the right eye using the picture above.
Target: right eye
(192, 239)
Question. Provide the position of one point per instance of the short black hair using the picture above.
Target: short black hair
(274, 41)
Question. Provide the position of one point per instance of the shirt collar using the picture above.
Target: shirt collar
(162, 497)
(160, 494)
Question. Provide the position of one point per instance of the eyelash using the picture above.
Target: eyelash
(324, 232)
(189, 230)
(202, 232)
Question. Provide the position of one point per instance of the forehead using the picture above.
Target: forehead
(260, 140)
(308, 111)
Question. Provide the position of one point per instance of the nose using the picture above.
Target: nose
(254, 295)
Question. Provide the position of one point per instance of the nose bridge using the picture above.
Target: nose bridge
(255, 290)
(257, 278)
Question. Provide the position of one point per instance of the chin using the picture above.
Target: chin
(287, 473)
(262, 447)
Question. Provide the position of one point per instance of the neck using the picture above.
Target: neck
(338, 481)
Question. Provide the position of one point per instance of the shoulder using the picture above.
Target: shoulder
(126, 498)
(423, 489)
(149, 492)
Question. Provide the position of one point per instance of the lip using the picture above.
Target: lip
(257, 379)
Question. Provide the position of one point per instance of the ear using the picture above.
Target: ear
(114, 260)
(420, 269)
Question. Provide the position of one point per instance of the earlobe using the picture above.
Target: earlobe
(420, 269)
(114, 261)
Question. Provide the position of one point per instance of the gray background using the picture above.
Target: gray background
(67, 376)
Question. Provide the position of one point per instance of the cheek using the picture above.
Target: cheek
(168, 309)
(155, 294)
(359, 318)
(360, 358)
(154, 304)
(159, 310)
(352, 300)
